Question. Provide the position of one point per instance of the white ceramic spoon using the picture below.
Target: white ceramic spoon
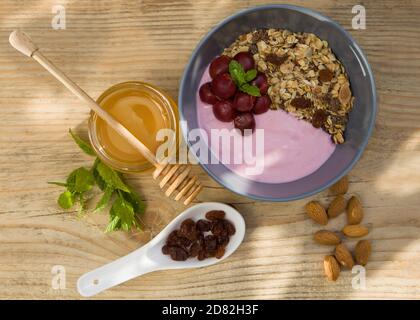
(150, 257)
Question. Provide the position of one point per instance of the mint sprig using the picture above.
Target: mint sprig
(242, 78)
(82, 144)
(125, 203)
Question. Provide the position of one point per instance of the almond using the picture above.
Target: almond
(355, 231)
(362, 252)
(327, 238)
(341, 186)
(316, 212)
(337, 206)
(354, 211)
(344, 95)
(343, 256)
(331, 268)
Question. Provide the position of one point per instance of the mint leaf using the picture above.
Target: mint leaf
(250, 89)
(98, 179)
(250, 75)
(80, 180)
(71, 181)
(66, 200)
(124, 210)
(241, 78)
(111, 177)
(81, 204)
(114, 224)
(237, 72)
(85, 146)
(133, 198)
(106, 197)
(61, 184)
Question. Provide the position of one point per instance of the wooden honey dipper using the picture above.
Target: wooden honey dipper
(176, 177)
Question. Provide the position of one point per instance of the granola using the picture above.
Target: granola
(305, 77)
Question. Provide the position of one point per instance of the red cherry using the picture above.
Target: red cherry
(245, 59)
(244, 121)
(223, 86)
(218, 66)
(261, 82)
(262, 104)
(206, 95)
(243, 102)
(224, 111)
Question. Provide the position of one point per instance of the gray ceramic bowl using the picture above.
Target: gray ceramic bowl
(361, 120)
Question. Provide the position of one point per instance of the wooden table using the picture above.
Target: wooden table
(108, 42)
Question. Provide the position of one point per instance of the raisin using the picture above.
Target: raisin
(218, 228)
(275, 59)
(201, 255)
(325, 75)
(203, 225)
(253, 49)
(165, 249)
(301, 103)
(339, 120)
(195, 248)
(183, 242)
(259, 35)
(188, 229)
(178, 254)
(222, 241)
(210, 243)
(334, 103)
(220, 252)
(215, 215)
(319, 118)
(172, 238)
(200, 239)
(189, 240)
(230, 228)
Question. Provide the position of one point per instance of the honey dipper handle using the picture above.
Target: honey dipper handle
(21, 42)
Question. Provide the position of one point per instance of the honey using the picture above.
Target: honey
(143, 110)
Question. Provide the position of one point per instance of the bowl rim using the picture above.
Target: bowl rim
(361, 55)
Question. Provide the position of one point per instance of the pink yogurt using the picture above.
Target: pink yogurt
(292, 148)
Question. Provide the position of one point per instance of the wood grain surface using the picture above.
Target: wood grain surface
(107, 42)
